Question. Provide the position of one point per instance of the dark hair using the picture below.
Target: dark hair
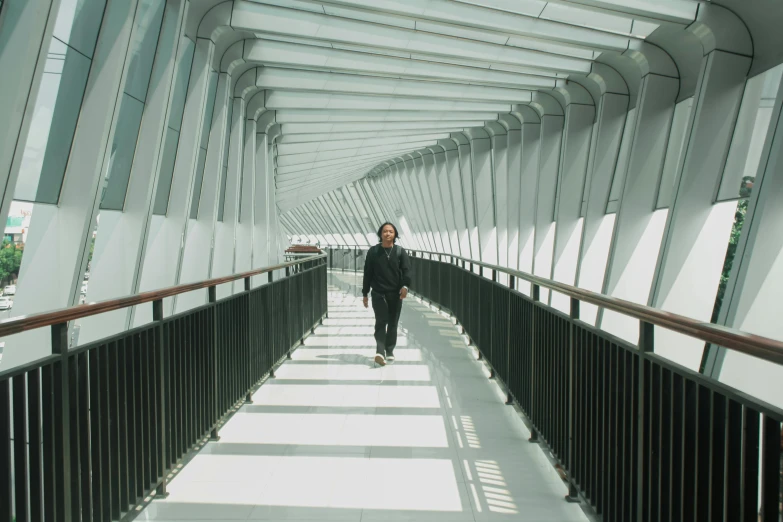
(396, 234)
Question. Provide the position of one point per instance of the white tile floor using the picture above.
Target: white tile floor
(333, 438)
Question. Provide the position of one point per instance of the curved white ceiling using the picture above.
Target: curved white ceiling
(355, 83)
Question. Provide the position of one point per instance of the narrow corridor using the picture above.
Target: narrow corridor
(333, 438)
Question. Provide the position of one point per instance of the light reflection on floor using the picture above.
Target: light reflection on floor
(334, 438)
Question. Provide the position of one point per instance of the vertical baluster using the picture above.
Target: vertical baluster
(6, 491)
(99, 480)
(770, 469)
(646, 345)
(573, 331)
(85, 455)
(215, 374)
(34, 427)
(62, 425)
(749, 480)
(20, 446)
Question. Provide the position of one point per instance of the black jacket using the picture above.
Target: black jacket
(386, 272)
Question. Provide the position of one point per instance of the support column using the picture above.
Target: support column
(552, 122)
(598, 225)
(199, 240)
(638, 226)
(528, 186)
(697, 230)
(577, 137)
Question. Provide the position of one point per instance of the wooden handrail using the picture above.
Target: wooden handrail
(754, 345)
(31, 322)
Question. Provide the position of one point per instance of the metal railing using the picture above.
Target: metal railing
(89, 433)
(639, 437)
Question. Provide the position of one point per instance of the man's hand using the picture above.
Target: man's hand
(403, 293)
(366, 301)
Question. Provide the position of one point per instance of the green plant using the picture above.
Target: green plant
(746, 188)
(10, 261)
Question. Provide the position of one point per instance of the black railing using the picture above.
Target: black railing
(639, 437)
(87, 434)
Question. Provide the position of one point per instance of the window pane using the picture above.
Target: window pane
(184, 65)
(142, 48)
(122, 151)
(166, 172)
(202, 159)
(78, 23)
(750, 133)
(224, 175)
(620, 170)
(57, 107)
(674, 152)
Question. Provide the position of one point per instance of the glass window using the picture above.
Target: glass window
(142, 53)
(115, 183)
(674, 151)
(224, 176)
(169, 154)
(621, 168)
(78, 23)
(202, 153)
(57, 107)
(750, 133)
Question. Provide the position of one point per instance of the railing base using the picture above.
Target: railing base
(492, 373)
(533, 437)
(161, 492)
(573, 495)
(213, 435)
(509, 400)
(249, 398)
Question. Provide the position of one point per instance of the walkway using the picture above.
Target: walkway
(332, 438)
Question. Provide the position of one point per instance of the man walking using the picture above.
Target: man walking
(387, 272)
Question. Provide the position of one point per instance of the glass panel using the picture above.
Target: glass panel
(184, 66)
(57, 106)
(222, 201)
(78, 23)
(115, 184)
(209, 110)
(674, 151)
(202, 153)
(149, 16)
(169, 155)
(202, 159)
(750, 133)
(622, 163)
(142, 53)
(168, 158)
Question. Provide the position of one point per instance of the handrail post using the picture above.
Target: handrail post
(270, 276)
(509, 396)
(573, 492)
(249, 396)
(157, 318)
(536, 295)
(62, 420)
(212, 293)
(494, 275)
(646, 346)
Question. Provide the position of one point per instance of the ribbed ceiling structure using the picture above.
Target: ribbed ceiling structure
(355, 84)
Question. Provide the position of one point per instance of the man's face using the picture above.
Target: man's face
(388, 234)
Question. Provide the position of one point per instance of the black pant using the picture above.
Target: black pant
(387, 314)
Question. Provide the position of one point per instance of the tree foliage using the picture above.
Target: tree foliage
(10, 261)
(736, 230)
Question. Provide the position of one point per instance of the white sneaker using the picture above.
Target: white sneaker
(390, 359)
(380, 360)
